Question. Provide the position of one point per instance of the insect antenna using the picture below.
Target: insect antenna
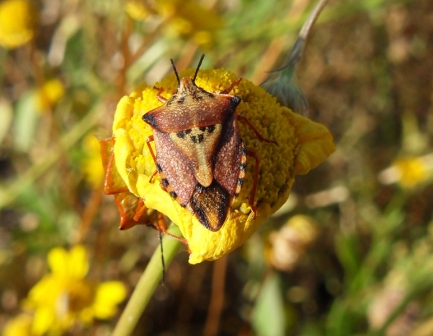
(198, 67)
(175, 71)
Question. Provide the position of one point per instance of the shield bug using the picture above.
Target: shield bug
(200, 155)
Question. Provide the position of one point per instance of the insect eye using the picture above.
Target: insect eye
(180, 134)
(211, 128)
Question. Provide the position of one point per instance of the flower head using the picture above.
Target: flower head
(185, 18)
(302, 145)
(64, 297)
(137, 9)
(50, 94)
(17, 23)
(409, 172)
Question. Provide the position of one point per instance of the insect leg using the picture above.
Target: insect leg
(256, 177)
(140, 211)
(256, 132)
(158, 95)
(162, 227)
(232, 85)
(148, 141)
(129, 203)
(153, 175)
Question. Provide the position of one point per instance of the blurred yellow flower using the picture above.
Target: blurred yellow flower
(19, 326)
(185, 18)
(64, 297)
(409, 172)
(303, 145)
(137, 9)
(17, 23)
(291, 241)
(91, 165)
(50, 93)
(189, 18)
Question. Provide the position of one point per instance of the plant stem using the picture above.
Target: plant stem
(147, 284)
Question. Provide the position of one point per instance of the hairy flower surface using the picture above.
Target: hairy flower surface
(17, 23)
(302, 145)
(64, 297)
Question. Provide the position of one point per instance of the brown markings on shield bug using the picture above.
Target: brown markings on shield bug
(200, 155)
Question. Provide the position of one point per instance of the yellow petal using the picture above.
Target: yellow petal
(412, 171)
(124, 149)
(43, 291)
(69, 265)
(78, 263)
(43, 320)
(108, 296)
(19, 326)
(58, 261)
(125, 108)
(316, 143)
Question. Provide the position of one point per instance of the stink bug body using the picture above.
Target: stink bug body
(200, 155)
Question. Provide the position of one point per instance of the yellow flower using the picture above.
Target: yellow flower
(91, 165)
(19, 326)
(189, 18)
(302, 145)
(291, 241)
(185, 18)
(65, 297)
(50, 93)
(409, 172)
(137, 9)
(17, 23)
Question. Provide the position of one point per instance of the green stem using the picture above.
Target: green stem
(147, 284)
